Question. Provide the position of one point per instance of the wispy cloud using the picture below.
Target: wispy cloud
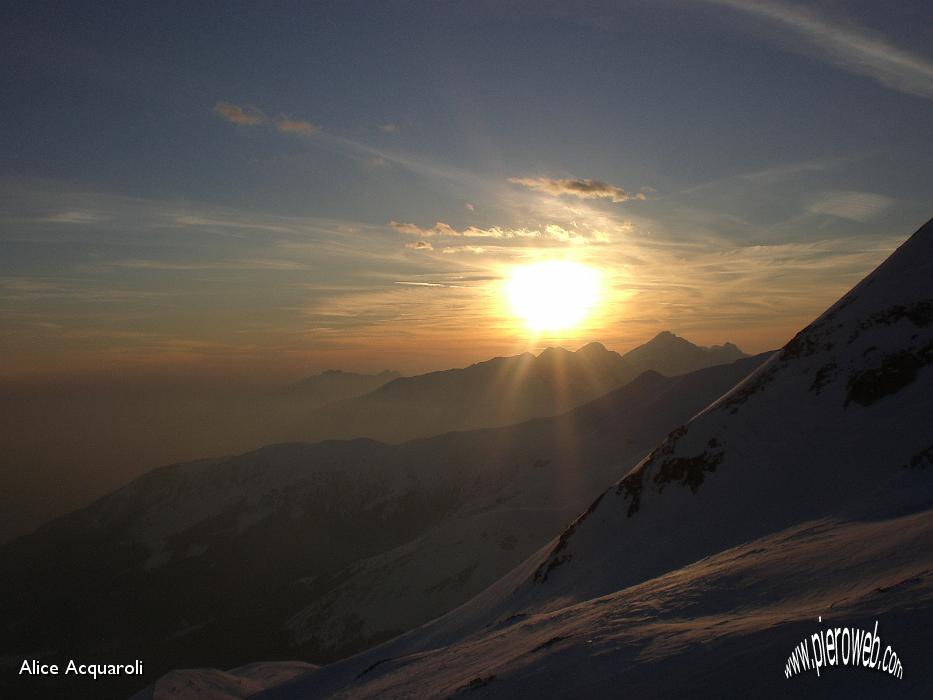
(296, 126)
(439, 229)
(247, 264)
(389, 128)
(243, 116)
(549, 232)
(474, 249)
(76, 216)
(406, 283)
(855, 206)
(581, 188)
(24, 288)
(851, 48)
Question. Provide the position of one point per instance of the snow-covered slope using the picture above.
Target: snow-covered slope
(489, 534)
(319, 550)
(243, 682)
(721, 627)
(803, 492)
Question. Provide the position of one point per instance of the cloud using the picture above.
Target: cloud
(549, 232)
(76, 216)
(581, 188)
(240, 264)
(475, 249)
(854, 206)
(389, 128)
(470, 206)
(253, 116)
(296, 126)
(430, 284)
(850, 48)
(243, 116)
(420, 245)
(440, 229)
(499, 232)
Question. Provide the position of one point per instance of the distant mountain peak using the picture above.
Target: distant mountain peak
(553, 351)
(672, 354)
(670, 337)
(594, 346)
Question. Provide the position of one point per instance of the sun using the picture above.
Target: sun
(553, 296)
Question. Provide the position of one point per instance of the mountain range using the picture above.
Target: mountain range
(335, 385)
(64, 446)
(320, 550)
(505, 390)
(799, 500)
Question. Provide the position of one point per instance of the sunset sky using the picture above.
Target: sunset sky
(283, 188)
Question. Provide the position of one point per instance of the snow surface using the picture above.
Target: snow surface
(720, 627)
(242, 682)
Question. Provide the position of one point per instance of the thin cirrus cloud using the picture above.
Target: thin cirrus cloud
(76, 216)
(553, 233)
(854, 206)
(850, 48)
(435, 285)
(580, 188)
(440, 229)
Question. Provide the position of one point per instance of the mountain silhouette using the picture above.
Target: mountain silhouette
(504, 390)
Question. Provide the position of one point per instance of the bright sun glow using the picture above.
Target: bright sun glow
(554, 295)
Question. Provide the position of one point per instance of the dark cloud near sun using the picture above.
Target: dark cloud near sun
(420, 245)
(584, 188)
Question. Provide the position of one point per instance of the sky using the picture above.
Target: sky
(272, 189)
